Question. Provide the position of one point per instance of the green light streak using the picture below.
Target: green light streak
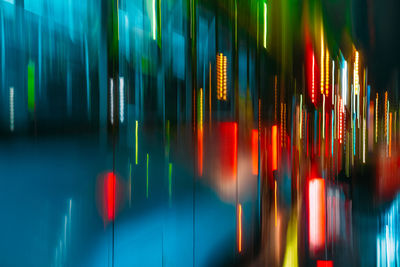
(170, 181)
(31, 86)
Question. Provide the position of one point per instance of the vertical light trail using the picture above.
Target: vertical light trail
(274, 142)
(221, 77)
(323, 117)
(12, 109)
(313, 80)
(333, 80)
(136, 142)
(147, 176)
(265, 25)
(31, 86)
(154, 19)
(200, 134)
(316, 202)
(239, 225)
(327, 73)
(355, 77)
(344, 83)
(112, 101)
(322, 60)
(170, 181)
(121, 99)
(376, 118)
(386, 108)
(254, 151)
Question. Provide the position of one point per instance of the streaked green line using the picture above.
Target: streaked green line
(170, 180)
(31, 86)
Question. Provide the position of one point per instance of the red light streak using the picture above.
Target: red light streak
(254, 151)
(110, 195)
(321, 263)
(200, 151)
(274, 147)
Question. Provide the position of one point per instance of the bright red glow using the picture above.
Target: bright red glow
(321, 263)
(239, 225)
(110, 195)
(227, 143)
(254, 151)
(200, 151)
(274, 141)
(316, 205)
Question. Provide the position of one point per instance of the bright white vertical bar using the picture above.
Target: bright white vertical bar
(154, 19)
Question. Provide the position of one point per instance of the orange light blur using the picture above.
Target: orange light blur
(239, 225)
(316, 205)
(274, 147)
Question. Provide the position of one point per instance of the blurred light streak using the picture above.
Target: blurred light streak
(147, 176)
(200, 151)
(265, 25)
(31, 86)
(221, 77)
(11, 109)
(170, 181)
(322, 60)
(376, 118)
(324, 263)
(333, 80)
(254, 151)
(154, 19)
(274, 142)
(316, 202)
(121, 99)
(136, 142)
(110, 195)
(313, 80)
(327, 73)
(356, 71)
(291, 259)
(239, 218)
(344, 82)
